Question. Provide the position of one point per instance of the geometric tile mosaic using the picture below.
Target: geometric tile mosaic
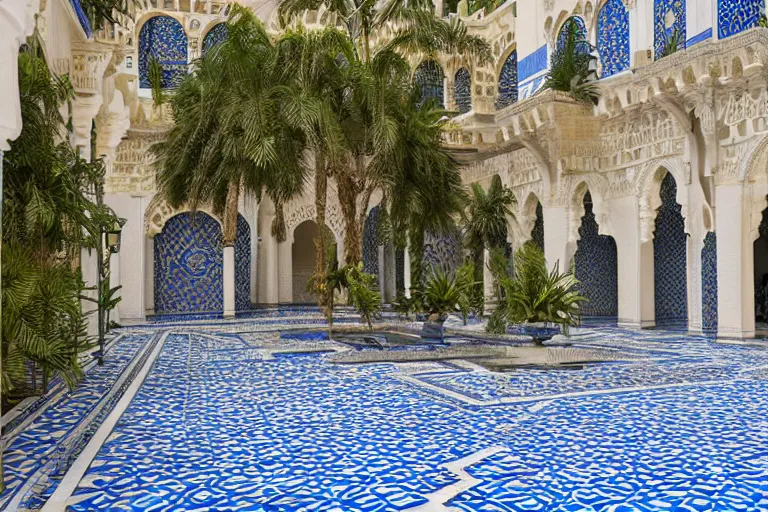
(508, 91)
(596, 266)
(443, 251)
(164, 38)
(537, 233)
(243, 265)
(709, 283)
(669, 258)
(613, 37)
(429, 77)
(462, 90)
(371, 242)
(668, 16)
(734, 16)
(189, 262)
(188, 265)
(214, 36)
(582, 35)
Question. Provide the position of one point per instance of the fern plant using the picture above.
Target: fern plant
(155, 77)
(673, 42)
(570, 71)
(535, 295)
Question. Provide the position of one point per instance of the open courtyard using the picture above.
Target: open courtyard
(255, 415)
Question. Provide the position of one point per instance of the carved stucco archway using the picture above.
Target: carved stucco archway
(754, 172)
(333, 219)
(159, 211)
(648, 186)
(598, 187)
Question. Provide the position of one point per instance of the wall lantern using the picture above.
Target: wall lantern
(113, 236)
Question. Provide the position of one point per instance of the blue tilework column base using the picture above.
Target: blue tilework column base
(669, 258)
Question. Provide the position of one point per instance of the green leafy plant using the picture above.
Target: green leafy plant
(467, 285)
(570, 70)
(442, 293)
(535, 295)
(403, 305)
(673, 42)
(155, 77)
(362, 295)
(497, 323)
(763, 21)
(49, 216)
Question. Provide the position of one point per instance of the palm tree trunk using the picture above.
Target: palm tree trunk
(353, 247)
(321, 197)
(416, 252)
(230, 214)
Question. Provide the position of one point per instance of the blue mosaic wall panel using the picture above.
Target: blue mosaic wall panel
(214, 36)
(429, 77)
(188, 265)
(371, 242)
(164, 38)
(581, 33)
(734, 16)
(537, 233)
(668, 16)
(462, 90)
(507, 82)
(596, 266)
(243, 265)
(669, 258)
(613, 37)
(532, 64)
(443, 251)
(709, 283)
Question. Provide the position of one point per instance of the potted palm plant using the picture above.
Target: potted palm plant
(441, 297)
(538, 302)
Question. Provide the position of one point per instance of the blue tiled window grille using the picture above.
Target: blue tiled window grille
(508, 86)
(734, 16)
(163, 38)
(581, 34)
(613, 37)
(462, 90)
(214, 36)
(429, 77)
(669, 258)
(669, 15)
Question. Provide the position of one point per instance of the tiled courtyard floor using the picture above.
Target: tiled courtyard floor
(229, 419)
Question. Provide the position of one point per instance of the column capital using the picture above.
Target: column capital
(17, 22)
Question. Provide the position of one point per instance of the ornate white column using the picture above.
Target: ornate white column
(286, 271)
(735, 264)
(556, 236)
(407, 271)
(228, 274)
(489, 292)
(17, 22)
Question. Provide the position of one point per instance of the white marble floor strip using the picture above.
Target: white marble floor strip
(439, 498)
(58, 502)
(524, 399)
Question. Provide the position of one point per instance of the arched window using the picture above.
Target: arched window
(734, 16)
(214, 36)
(429, 77)
(163, 38)
(613, 37)
(668, 22)
(462, 90)
(581, 33)
(507, 82)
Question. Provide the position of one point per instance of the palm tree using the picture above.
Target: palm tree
(49, 217)
(485, 222)
(487, 215)
(232, 129)
(378, 99)
(571, 66)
